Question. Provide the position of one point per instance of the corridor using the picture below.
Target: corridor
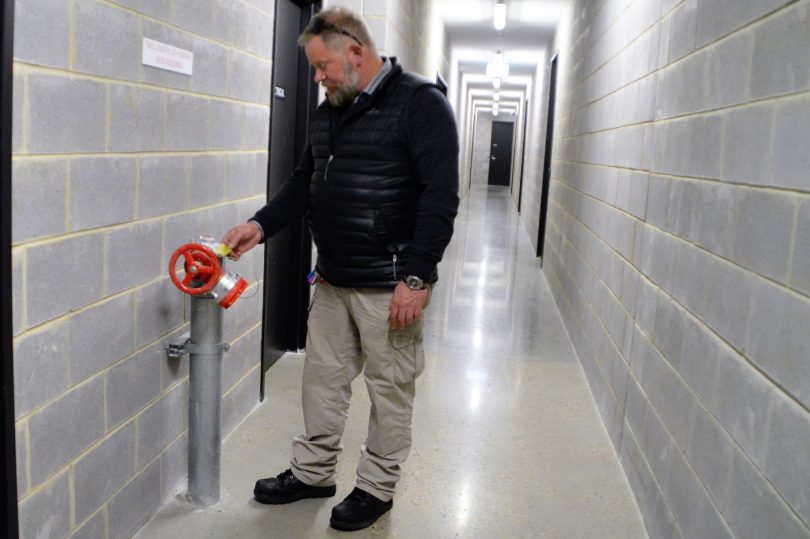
(507, 438)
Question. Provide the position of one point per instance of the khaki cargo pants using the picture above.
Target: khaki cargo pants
(348, 333)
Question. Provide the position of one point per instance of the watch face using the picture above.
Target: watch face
(414, 282)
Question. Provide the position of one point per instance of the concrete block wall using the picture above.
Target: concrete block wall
(677, 252)
(115, 165)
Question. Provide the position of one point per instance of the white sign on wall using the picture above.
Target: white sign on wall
(163, 56)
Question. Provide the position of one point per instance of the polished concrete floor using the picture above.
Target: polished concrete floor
(507, 441)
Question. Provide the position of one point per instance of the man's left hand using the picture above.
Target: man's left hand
(406, 306)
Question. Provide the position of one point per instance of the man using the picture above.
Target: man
(378, 181)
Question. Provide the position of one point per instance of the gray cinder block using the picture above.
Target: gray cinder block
(102, 191)
(781, 64)
(241, 175)
(40, 367)
(136, 119)
(729, 75)
(36, 185)
(100, 336)
(174, 466)
(790, 162)
(116, 457)
(187, 122)
(781, 349)
(207, 182)
(156, 8)
(77, 260)
(132, 384)
(65, 428)
(161, 423)
(226, 125)
(158, 310)
(210, 63)
(256, 128)
(134, 255)
(747, 146)
(66, 115)
(47, 513)
(788, 470)
(108, 40)
(131, 507)
(164, 183)
(41, 32)
(764, 227)
(754, 508)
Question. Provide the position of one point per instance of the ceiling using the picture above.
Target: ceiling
(473, 39)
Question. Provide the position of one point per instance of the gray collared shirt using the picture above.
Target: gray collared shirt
(375, 82)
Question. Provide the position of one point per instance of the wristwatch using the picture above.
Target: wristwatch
(414, 282)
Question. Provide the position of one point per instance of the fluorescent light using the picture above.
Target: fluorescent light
(497, 70)
(494, 112)
(496, 82)
(496, 96)
(499, 57)
(499, 20)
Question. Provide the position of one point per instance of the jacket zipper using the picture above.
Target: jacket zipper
(326, 170)
(395, 268)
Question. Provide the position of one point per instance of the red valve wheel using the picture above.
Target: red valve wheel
(201, 264)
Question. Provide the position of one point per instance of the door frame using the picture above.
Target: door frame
(300, 245)
(9, 468)
(547, 158)
(523, 152)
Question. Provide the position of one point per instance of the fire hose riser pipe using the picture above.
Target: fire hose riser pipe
(204, 403)
(212, 290)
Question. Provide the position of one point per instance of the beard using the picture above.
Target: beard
(343, 95)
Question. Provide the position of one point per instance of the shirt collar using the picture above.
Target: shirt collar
(378, 78)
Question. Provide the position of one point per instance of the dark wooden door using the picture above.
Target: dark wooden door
(500, 155)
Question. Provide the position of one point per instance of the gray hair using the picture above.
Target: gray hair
(342, 27)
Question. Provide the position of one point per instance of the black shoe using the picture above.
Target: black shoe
(286, 488)
(359, 510)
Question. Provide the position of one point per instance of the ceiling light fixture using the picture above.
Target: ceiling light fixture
(499, 20)
(496, 82)
(498, 57)
(496, 96)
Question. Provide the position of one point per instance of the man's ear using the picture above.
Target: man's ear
(357, 53)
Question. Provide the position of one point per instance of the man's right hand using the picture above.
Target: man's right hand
(242, 238)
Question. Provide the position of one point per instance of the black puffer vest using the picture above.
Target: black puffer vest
(363, 196)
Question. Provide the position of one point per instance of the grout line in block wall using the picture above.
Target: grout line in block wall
(27, 68)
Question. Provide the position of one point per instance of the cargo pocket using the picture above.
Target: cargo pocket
(408, 353)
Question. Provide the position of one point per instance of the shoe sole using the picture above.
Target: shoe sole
(354, 526)
(327, 492)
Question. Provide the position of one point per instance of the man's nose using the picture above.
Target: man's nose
(319, 75)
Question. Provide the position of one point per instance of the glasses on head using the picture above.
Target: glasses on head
(318, 26)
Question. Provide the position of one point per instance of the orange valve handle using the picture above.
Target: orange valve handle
(201, 264)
